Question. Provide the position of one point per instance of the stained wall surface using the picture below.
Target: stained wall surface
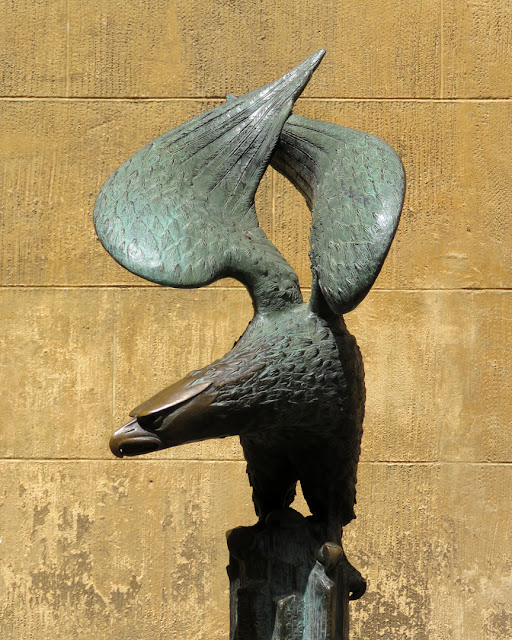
(95, 548)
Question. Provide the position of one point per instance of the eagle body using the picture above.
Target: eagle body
(181, 213)
(303, 413)
(292, 388)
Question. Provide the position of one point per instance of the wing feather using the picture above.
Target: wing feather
(198, 182)
(354, 184)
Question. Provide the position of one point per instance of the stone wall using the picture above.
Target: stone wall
(97, 548)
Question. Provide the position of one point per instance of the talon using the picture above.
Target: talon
(329, 556)
(356, 584)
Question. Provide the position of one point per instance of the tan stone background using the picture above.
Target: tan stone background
(96, 548)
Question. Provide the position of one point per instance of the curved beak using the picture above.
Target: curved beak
(132, 440)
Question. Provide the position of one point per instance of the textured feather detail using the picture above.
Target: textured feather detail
(354, 184)
(180, 212)
(298, 388)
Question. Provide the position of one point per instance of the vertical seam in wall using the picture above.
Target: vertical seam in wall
(441, 50)
(67, 49)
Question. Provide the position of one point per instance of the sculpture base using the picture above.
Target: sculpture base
(286, 582)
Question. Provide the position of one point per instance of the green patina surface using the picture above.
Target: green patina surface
(181, 212)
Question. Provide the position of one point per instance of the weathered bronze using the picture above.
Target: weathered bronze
(286, 582)
(180, 212)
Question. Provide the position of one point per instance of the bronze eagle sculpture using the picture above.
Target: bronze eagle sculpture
(180, 212)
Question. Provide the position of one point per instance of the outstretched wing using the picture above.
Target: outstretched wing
(354, 184)
(180, 212)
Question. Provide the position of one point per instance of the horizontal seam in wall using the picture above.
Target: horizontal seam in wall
(133, 460)
(242, 461)
(239, 288)
(20, 98)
